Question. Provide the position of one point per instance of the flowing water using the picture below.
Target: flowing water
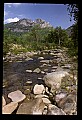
(15, 75)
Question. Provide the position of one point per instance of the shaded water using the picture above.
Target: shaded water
(15, 75)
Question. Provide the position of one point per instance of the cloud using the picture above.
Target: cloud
(14, 4)
(11, 20)
(5, 13)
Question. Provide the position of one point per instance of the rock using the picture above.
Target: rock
(52, 54)
(49, 65)
(42, 72)
(68, 104)
(54, 67)
(43, 65)
(39, 78)
(59, 96)
(46, 100)
(41, 96)
(40, 58)
(59, 54)
(37, 70)
(47, 90)
(53, 70)
(45, 70)
(28, 58)
(53, 80)
(54, 110)
(39, 89)
(29, 71)
(9, 108)
(45, 110)
(3, 101)
(36, 106)
(44, 61)
(16, 96)
(66, 66)
(29, 82)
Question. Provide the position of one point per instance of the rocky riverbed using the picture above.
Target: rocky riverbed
(42, 82)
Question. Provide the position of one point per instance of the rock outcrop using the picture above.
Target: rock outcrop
(24, 25)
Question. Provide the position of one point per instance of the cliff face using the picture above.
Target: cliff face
(24, 25)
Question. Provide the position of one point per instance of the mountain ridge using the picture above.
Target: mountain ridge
(24, 25)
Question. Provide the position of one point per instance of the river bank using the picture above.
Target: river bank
(27, 72)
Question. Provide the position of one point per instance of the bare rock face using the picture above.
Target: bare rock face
(3, 101)
(54, 110)
(36, 106)
(9, 108)
(53, 80)
(24, 25)
(16, 96)
(39, 89)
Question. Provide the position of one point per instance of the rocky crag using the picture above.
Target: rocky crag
(24, 25)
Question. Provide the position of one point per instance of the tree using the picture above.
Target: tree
(57, 36)
(73, 11)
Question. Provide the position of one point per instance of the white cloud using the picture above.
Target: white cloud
(5, 13)
(11, 20)
(14, 4)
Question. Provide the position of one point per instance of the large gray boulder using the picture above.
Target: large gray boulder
(53, 80)
(36, 106)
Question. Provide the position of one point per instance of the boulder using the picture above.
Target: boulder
(39, 89)
(53, 80)
(16, 96)
(36, 106)
(3, 101)
(54, 110)
(9, 108)
(37, 70)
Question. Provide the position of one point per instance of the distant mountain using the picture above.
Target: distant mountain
(68, 30)
(24, 25)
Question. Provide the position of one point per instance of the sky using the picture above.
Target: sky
(55, 14)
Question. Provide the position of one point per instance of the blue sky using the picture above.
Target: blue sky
(55, 14)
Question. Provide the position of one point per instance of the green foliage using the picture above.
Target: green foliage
(57, 36)
(41, 38)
